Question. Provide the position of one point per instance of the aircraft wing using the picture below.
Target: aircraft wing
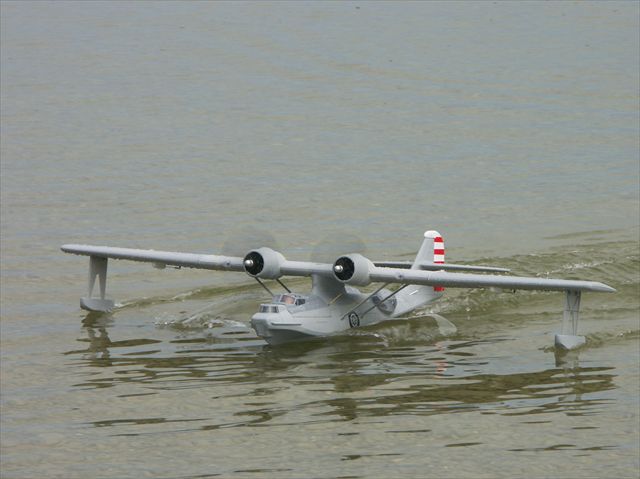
(440, 266)
(470, 280)
(159, 258)
(200, 261)
(374, 273)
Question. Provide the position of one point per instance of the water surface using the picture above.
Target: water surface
(511, 128)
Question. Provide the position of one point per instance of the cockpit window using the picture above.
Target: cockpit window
(285, 298)
(294, 303)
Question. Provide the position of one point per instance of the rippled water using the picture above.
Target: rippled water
(317, 128)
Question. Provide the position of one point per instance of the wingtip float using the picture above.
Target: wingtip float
(334, 303)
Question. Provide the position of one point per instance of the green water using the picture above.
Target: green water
(511, 128)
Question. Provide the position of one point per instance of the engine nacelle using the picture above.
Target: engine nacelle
(263, 263)
(353, 269)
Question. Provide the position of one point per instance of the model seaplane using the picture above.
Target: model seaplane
(334, 304)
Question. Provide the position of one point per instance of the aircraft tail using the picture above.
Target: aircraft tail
(432, 250)
(412, 297)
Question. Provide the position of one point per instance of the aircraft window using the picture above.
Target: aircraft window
(300, 301)
(274, 309)
(286, 299)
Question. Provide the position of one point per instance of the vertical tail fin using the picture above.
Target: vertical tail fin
(438, 253)
(431, 251)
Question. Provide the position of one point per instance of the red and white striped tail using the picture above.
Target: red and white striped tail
(438, 252)
(431, 251)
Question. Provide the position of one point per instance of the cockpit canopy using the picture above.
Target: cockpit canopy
(291, 299)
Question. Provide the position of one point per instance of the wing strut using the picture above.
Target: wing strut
(569, 339)
(264, 286)
(261, 283)
(353, 311)
(386, 298)
(97, 268)
(283, 285)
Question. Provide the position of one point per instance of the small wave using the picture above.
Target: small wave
(201, 320)
(571, 267)
(607, 261)
(582, 235)
(424, 327)
(602, 338)
(595, 340)
(221, 293)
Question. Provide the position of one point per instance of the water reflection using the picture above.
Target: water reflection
(335, 379)
(96, 325)
(98, 351)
